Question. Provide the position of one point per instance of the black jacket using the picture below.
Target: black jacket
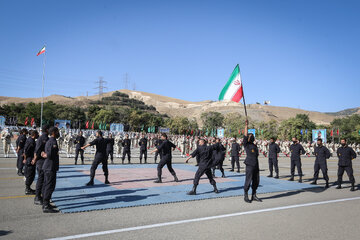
(235, 149)
(273, 150)
(321, 154)
(205, 154)
(110, 144)
(40, 145)
(345, 155)
(29, 149)
(52, 151)
(79, 141)
(143, 143)
(101, 145)
(296, 151)
(166, 148)
(252, 153)
(126, 144)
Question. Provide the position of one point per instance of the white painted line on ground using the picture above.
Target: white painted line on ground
(12, 147)
(201, 219)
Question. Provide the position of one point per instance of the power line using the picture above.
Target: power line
(101, 86)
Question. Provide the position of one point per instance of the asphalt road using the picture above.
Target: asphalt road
(287, 215)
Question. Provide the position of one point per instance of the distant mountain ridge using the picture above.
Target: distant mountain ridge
(176, 107)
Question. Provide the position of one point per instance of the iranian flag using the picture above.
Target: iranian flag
(41, 51)
(233, 89)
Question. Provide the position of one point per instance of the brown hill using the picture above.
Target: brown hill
(176, 107)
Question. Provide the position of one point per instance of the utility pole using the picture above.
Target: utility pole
(101, 86)
(126, 81)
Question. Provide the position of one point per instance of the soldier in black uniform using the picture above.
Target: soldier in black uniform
(20, 151)
(252, 165)
(110, 148)
(143, 148)
(29, 150)
(273, 157)
(219, 157)
(126, 151)
(100, 157)
(197, 156)
(158, 142)
(79, 141)
(296, 151)
(39, 161)
(165, 148)
(205, 164)
(345, 154)
(235, 150)
(50, 167)
(321, 154)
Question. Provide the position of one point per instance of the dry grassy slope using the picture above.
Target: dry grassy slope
(177, 107)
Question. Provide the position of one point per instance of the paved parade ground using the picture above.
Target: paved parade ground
(133, 207)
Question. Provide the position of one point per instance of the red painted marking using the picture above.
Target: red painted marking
(125, 178)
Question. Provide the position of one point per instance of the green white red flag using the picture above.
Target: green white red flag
(41, 51)
(233, 89)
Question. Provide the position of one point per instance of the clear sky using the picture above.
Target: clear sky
(299, 53)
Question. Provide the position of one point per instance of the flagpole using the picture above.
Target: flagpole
(242, 83)
(42, 91)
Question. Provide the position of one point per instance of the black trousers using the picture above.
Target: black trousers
(273, 163)
(349, 171)
(156, 155)
(40, 180)
(49, 185)
(324, 169)
(111, 153)
(252, 178)
(126, 152)
(219, 164)
(143, 152)
(77, 151)
(298, 166)
(165, 160)
(201, 170)
(197, 159)
(20, 159)
(235, 159)
(30, 174)
(99, 158)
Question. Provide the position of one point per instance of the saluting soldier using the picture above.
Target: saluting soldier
(321, 154)
(345, 154)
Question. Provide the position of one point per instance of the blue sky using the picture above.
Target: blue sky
(301, 53)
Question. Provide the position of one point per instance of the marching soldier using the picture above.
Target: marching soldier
(296, 151)
(235, 149)
(252, 165)
(39, 161)
(143, 148)
(110, 148)
(79, 141)
(50, 167)
(205, 164)
(273, 157)
(345, 154)
(166, 157)
(126, 151)
(100, 157)
(29, 150)
(321, 154)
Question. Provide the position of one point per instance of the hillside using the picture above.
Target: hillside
(176, 107)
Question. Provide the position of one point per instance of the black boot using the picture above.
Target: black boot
(270, 175)
(339, 186)
(82, 162)
(47, 208)
(246, 197)
(300, 179)
(352, 187)
(238, 171)
(91, 182)
(223, 174)
(231, 170)
(327, 184)
(107, 180)
(29, 191)
(255, 198)
(193, 191)
(277, 176)
(292, 178)
(313, 182)
(38, 200)
(75, 162)
(215, 189)
(175, 178)
(158, 180)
